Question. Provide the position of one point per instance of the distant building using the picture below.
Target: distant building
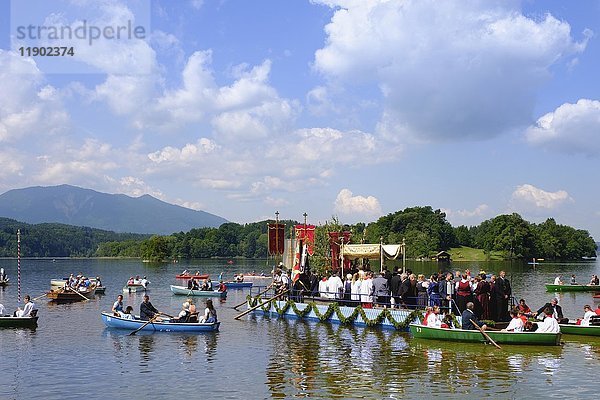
(442, 256)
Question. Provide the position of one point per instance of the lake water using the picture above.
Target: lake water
(72, 355)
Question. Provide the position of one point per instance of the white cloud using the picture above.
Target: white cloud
(528, 195)
(467, 217)
(187, 153)
(571, 128)
(346, 203)
(446, 70)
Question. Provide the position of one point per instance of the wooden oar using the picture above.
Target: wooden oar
(485, 335)
(263, 292)
(77, 291)
(166, 315)
(143, 326)
(261, 304)
(39, 297)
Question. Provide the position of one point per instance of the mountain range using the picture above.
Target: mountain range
(73, 205)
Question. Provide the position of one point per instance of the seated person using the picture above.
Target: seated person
(548, 324)
(2, 309)
(222, 287)
(210, 284)
(468, 318)
(558, 280)
(587, 317)
(195, 285)
(204, 285)
(183, 314)
(598, 309)
(190, 284)
(555, 311)
(185, 272)
(433, 320)
(524, 308)
(27, 308)
(573, 280)
(127, 314)
(516, 324)
(210, 314)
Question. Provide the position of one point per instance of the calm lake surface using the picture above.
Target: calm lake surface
(72, 355)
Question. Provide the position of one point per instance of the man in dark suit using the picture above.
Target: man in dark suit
(395, 282)
(504, 291)
(556, 310)
(447, 291)
(468, 315)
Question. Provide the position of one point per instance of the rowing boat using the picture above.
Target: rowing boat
(187, 276)
(574, 329)
(112, 321)
(70, 295)
(136, 287)
(238, 285)
(7, 321)
(461, 335)
(190, 292)
(572, 288)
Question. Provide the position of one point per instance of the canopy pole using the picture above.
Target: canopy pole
(403, 256)
(381, 253)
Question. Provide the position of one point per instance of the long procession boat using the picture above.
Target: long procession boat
(8, 321)
(474, 336)
(188, 276)
(550, 287)
(182, 290)
(112, 321)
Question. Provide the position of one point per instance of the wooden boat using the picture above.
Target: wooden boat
(132, 324)
(136, 287)
(572, 288)
(183, 290)
(574, 329)
(187, 276)
(8, 321)
(69, 296)
(238, 285)
(60, 283)
(461, 335)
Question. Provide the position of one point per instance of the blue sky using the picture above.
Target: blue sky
(351, 108)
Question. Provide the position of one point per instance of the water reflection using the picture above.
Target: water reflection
(146, 348)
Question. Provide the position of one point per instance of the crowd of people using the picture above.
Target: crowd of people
(138, 281)
(80, 282)
(29, 309)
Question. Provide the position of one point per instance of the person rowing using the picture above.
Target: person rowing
(468, 318)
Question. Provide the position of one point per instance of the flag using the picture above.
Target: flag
(297, 268)
(276, 238)
(306, 233)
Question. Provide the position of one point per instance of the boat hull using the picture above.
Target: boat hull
(394, 319)
(238, 285)
(70, 296)
(132, 324)
(572, 288)
(134, 288)
(18, 322)
(461, 335)
(182, 290)
(573, 329)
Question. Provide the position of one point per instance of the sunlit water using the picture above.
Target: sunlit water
(72, 355)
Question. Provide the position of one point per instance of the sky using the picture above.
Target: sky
(346, 108)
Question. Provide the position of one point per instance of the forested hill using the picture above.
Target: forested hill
(58, 240)
(72, 205)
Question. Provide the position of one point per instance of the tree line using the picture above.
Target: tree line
(424, 230)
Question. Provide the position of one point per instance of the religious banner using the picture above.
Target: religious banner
(306, 234)
(276, 239)
(297, 269)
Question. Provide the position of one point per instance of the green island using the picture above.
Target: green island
(424, 230)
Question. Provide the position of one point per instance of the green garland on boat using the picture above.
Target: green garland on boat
(335, 308)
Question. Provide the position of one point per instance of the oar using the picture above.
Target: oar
(143, 326)
(39, 297)
(261, 304)
(485, 335)
(166, 315)
(77, 291)
(263, 292)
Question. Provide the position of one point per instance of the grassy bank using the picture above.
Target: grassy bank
(471, 254)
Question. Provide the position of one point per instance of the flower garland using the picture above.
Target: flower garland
(335, 308)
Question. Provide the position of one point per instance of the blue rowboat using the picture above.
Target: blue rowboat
(132, 324)
(237, 285)
(182, 290)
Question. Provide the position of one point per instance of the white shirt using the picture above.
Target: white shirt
(516, 324)
(26, 311)
(557, 280)
(366, 291)
(2, 309)
(335, 285)
(434, 321)
(586, 318)
(323, 288)
(549, 324)
(356, 290)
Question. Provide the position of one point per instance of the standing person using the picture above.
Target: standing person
(145, 282)
(348, 290)
(27, 308)
(366, 291)
(482, 293)
(433, 292)
(463, 293)
(422, 286)
(147, 310)
(505, 291)
(380, 289)
(395, 282)
(335, 286)
(117, 307)
(447, 291)
(356, 282)
(210, 314)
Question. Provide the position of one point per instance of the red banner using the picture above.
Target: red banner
(306, 233)
(335, 241)
(276, 239)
